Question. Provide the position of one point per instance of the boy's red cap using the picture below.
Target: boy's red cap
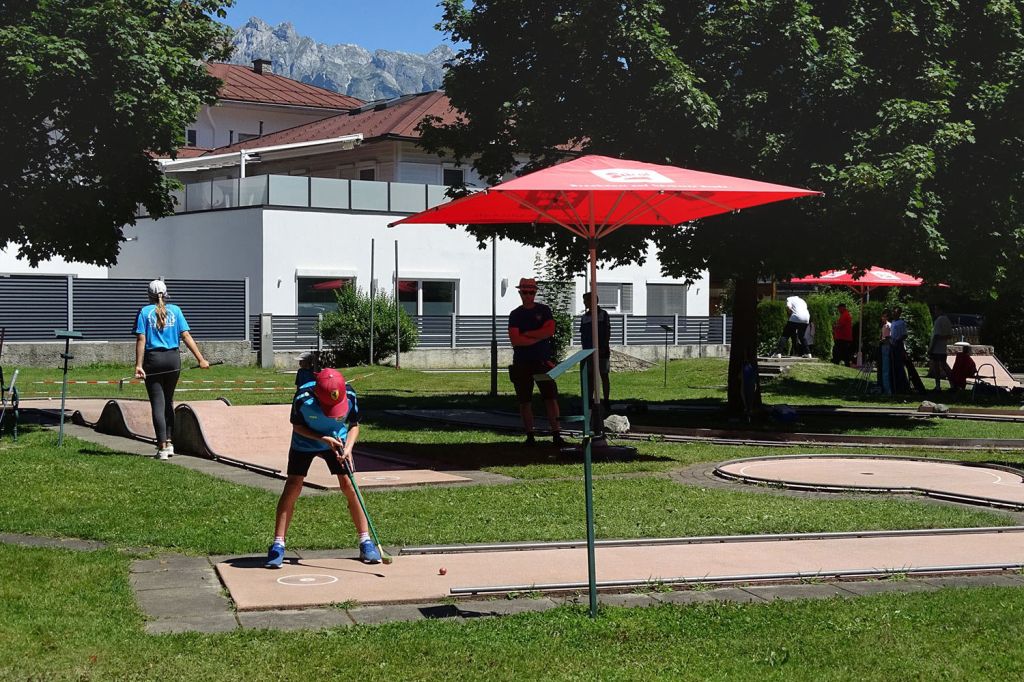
(330, 392)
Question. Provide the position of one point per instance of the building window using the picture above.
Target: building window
(317, 294)
(191, 138)
(666, 299)
(367, 173)
(615, 298)
(428, 297)
(453, 177)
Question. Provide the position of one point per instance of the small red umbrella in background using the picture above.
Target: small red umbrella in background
(872, 277)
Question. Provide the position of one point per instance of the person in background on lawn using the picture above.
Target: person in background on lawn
(942, 331)
(160, 327)
(325, 424)
(530, 328)
(796, 327)
(898, 352)
(885, 355)
(604, 346)
(842, 332)
(963, 367)
(305, 373)
(809, 337)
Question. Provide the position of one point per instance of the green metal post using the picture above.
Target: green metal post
(588, 483)
(64, 389)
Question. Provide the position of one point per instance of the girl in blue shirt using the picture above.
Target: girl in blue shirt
(159, 328)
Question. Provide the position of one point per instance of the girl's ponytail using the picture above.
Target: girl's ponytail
(161, 312)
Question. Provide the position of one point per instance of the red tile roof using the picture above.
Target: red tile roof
(242, 84)
(394, 118)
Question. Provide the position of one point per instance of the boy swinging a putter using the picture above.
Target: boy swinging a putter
(325, 423)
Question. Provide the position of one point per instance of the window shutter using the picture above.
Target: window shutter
(627, 299)
(608, 295)
(666, 299)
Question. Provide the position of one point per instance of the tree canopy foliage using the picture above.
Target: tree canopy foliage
(91, 90)
(905, 113)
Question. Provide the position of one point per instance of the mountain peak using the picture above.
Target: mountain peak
(348, 69)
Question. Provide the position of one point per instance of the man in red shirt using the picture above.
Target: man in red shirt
(842, 333)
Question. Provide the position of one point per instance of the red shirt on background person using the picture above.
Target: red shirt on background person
(963, 367)
(843, 328)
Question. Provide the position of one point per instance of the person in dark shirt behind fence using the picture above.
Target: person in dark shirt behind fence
(604, 338)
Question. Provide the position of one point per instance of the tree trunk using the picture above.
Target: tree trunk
(744, 342)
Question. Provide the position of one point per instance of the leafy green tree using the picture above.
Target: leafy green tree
(558, 292)
(91, 90)
(347, 330)
(905, 113)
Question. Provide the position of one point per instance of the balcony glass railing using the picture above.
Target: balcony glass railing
(306, 192)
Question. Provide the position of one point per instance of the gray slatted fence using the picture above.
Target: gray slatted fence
(31, 307)
(293, 332)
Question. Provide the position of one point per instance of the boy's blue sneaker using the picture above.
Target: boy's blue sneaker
(275, 556)
(368, 553)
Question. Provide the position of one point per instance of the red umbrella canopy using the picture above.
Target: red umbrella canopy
(595, 195)
(873, 277)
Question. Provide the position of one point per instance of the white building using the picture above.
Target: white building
(295, 208)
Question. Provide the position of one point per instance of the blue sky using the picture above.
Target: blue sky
(406, 25)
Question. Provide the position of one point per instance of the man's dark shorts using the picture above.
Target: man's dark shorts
(522, 378)
(298, 462)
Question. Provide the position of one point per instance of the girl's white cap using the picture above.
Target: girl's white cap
(157, 287)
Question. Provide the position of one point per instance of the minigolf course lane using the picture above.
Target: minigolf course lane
(418, 578)
(259, 436)
(253, 436)
(975, 483)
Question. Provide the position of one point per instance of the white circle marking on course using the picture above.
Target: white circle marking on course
(307, 580)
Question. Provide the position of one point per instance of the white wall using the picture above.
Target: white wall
(272, 247)
(10, 265)
(338, 244)
(214, 123)
(208, 245)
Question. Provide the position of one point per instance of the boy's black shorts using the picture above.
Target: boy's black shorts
(298, 462)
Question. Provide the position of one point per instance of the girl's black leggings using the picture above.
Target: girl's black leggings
(162, 367)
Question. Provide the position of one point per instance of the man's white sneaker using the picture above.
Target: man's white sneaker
(163, 453)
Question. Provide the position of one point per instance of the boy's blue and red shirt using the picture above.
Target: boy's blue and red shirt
(306, 412)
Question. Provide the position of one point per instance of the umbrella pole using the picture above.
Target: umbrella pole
(588, 480)
(860, 332)
(596, 357)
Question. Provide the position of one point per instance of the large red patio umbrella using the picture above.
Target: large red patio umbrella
(593, 196)
(873, 277)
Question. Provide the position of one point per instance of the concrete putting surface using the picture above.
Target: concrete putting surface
(982, 484)
(252, 436)
(307, 582)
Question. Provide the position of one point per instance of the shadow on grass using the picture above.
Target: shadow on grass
(482, 455)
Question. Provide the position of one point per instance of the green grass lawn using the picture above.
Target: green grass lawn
(691, 382)
(85, 491)
(71, 615)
